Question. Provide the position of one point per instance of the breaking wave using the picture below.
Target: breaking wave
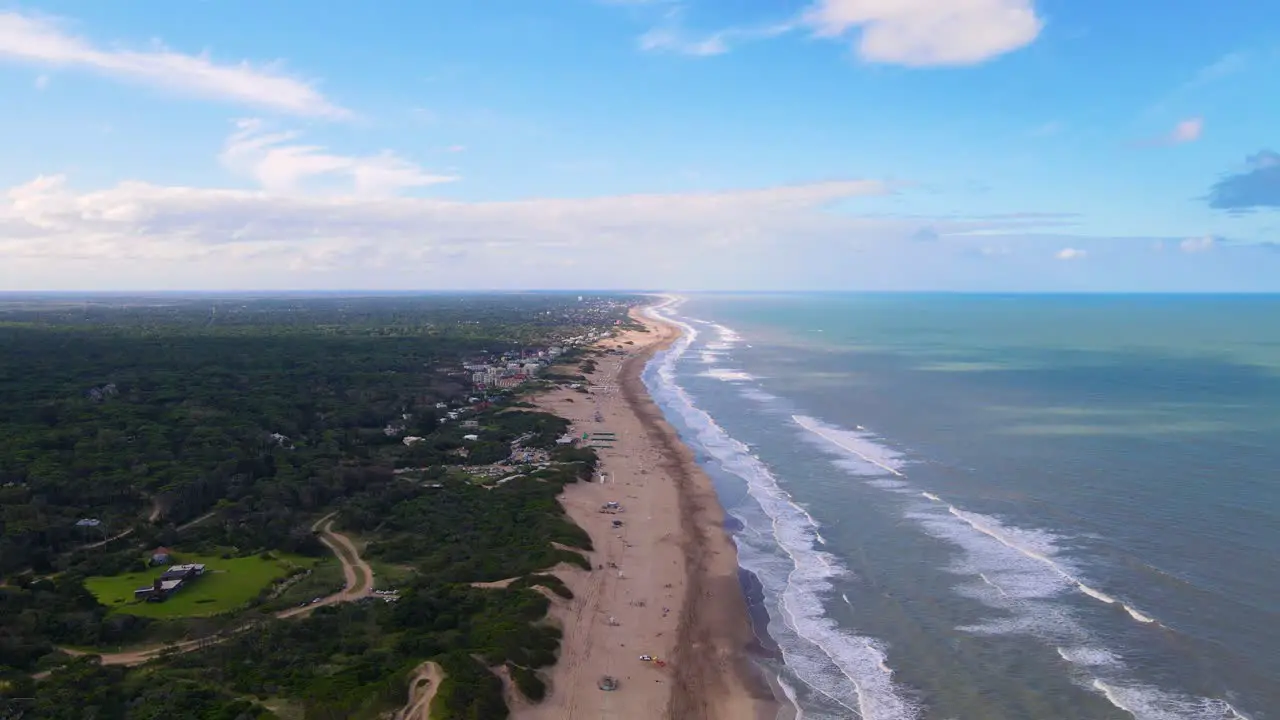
(781, 545)
(1021, 571)
(728, 375)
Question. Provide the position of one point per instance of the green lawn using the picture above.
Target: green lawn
(225, 585)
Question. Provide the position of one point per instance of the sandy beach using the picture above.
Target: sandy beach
(665, 583)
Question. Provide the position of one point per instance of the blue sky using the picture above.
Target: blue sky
(681, 144)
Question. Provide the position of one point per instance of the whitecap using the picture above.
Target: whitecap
(844, 667)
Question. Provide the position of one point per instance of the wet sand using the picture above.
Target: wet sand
(665, 582)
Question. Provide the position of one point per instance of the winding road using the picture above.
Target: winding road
(358, 583)
(423, 684)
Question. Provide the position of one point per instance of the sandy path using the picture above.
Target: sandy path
(197, 521)
(423, 685)
(100, 543)
(640, 607)
(356, 573)
(358, 584)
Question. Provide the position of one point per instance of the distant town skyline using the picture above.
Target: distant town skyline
(998, 145)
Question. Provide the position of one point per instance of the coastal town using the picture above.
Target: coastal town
(512, 466)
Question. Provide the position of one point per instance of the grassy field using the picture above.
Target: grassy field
(225, 585)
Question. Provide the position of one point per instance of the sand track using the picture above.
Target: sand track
(423, 685)
(358, 584)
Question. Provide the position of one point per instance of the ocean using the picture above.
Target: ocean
(997, 507)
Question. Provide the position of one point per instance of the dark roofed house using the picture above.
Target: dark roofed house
(169, 582)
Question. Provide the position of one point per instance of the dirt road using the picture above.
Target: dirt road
(423, 685)
(356, 573)
(358, 584)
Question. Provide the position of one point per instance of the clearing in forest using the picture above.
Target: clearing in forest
(227, 584)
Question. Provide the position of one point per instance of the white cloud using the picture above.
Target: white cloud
(1186, 131)
(42, 82)
(1071, 254)
(671, 37)
(928, 32)
(283, 167)
(142, 235)
(47, 219)
(671, 40)
(37, 40)
(1198, 244)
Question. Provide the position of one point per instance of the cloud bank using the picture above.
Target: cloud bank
(138, 234)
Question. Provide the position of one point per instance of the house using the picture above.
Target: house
(161, 555)
(471, 438)
(183, 572)
(411, 440)
(470, 423)
(88, 522)
(159, 591)
(169, 582)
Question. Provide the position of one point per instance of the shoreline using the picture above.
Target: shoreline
(667, 582)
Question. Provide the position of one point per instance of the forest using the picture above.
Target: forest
(227, 426)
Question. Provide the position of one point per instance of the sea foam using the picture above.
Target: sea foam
(728, 375)
(1034, 544)
(1021, 571)
(846, 668)
(1145, 703)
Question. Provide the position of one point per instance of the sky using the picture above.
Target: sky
(969, 145)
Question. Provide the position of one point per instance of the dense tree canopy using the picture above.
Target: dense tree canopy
(229, 425)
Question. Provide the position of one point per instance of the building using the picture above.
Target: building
(161, 555)
(169, 582)
(183, 572)
(159, 591)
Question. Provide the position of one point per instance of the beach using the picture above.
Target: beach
(665, 579)
(960, 510)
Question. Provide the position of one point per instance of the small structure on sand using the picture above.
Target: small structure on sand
(608, 683)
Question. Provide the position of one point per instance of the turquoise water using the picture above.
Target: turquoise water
(999, 507)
